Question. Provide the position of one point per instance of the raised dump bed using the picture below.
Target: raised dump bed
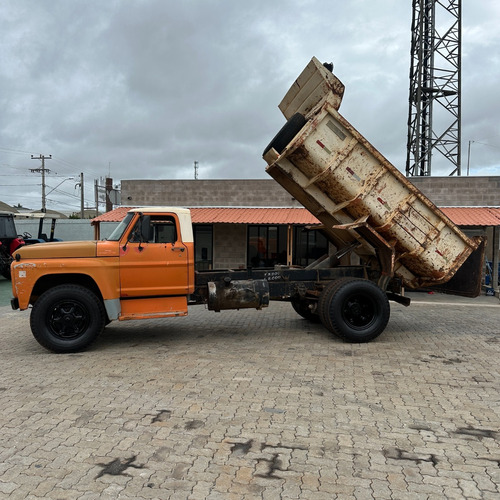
(363, 201)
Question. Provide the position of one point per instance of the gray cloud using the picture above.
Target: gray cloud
(144, 88)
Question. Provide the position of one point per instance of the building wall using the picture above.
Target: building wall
(460, 191)
(206, 193)
(443, 191)
(230, 246)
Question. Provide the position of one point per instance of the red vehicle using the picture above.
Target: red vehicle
(10, 241)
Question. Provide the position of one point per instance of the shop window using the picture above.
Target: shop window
(266, 245)
(309, 245)
(203, 246)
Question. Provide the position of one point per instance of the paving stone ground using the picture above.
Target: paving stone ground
(257, 405)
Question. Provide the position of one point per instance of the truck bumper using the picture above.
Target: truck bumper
(14, 303)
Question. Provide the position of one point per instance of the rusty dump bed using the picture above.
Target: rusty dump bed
(362, 200)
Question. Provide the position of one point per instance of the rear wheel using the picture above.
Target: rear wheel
(301, 307)
(67, 318)
(356, 310)
(325, 298)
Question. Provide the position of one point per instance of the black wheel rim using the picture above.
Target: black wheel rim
(359, 311)
(68, 319)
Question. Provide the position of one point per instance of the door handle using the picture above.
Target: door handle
(181, 249)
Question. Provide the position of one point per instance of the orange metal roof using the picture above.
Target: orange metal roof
(461, 216)
(249, 215)
(473, 216)
(231, 215)
(115, 215)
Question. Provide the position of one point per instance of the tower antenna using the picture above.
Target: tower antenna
(434, 117)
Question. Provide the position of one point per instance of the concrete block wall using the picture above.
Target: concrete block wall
(230, 248)
(443, 191)
(460, 191)
(206, 193)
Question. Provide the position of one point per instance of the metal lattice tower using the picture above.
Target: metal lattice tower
(435, 78)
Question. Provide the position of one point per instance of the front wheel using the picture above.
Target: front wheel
(67, 318)
(356, 310)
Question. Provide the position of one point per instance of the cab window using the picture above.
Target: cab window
(162, 229)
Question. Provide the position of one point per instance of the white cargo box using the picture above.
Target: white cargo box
(359, 196)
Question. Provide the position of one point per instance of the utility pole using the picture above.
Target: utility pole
(96, 194)
(82, 207)
(42, 170)
(109, 188)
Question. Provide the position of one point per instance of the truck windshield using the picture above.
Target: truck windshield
(117, 233)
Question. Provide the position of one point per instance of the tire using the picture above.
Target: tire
(355, 310)
(5, 272)
(324, 299)
(301, 307)
(67, 318)
(5, 261)
(291, 128)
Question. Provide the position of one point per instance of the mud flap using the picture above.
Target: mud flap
(467, 280)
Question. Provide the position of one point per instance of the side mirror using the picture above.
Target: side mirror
(145, 223)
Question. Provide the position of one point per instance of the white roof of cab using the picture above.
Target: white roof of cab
(184, 215)
(147, 210)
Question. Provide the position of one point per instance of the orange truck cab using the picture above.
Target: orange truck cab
(145, 269)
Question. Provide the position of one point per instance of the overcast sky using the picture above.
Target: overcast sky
(141, 89)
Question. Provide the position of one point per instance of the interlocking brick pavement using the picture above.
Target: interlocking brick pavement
(257, 405)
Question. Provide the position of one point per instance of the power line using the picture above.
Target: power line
(58, 160)
(64, 162)
(14, 151)
(485, 144)
(65, 165)
(15, 175)
(18, 185)
(69, 195)
(59, 202)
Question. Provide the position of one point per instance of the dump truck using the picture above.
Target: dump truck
(385, 236)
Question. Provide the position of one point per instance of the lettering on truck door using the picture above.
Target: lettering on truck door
(157, 267)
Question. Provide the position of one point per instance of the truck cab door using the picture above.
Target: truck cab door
(154, 260)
